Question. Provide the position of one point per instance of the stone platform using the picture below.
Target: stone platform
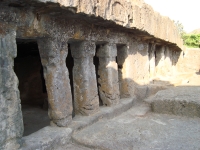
(182, 101)
(142, 130)
(54, 138)
(129, 125)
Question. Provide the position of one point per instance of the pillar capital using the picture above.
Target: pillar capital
(107, 50)
(52, 51)
(83, 49)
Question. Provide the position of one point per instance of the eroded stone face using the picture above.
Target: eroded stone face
(123, 73)
(53, 55)
(53, 31)
(108, 72)
(152, 63)
(126, 13)
(11, 127)
(84, 78)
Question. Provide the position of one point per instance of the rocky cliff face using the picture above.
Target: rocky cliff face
(133, 14)
(189, 61)
(130, 30)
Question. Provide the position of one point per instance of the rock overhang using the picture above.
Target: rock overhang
(134, 17)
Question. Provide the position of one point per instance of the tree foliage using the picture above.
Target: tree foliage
(191, 40)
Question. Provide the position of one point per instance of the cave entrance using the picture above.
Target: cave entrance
(33, 93)
(70, 65)
(96, 64)
(120, 60)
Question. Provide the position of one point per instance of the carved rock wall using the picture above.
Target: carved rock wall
(189, 61)
(54, 33)
(129, 14)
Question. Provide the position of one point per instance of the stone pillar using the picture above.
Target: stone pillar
(124, 71)
(108, 72)
(168, 61)
(53, 55)
(160, 61)
(11, 123)
(84, 78)
(152, 62)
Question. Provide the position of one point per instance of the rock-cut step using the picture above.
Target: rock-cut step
(182, 101)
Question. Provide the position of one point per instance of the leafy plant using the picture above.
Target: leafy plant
(191, 40)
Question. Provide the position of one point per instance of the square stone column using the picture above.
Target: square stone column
(53, 55)
(11, 121)
(108, 72)
(84, 78)
(125, 67)
(160, 60)
(152, 62)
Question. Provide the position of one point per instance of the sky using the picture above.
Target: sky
(185, 11)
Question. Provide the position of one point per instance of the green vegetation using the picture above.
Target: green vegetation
(192, 39)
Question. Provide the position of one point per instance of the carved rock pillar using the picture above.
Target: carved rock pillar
(53, 55)
(160, 61)
(84, 78)
(108, 72)
(11, 123)
(152, 60)
(125, 69)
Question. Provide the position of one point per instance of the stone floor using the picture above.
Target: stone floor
(34, 118)
(138, 130)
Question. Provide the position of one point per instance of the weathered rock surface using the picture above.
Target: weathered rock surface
(189, 61)
(53, 55)
(135, 129)
(130, 27)
(59, 138)
(108, 74)
(85, 85)
(183, 101)
(47, 138)
(130, 14)
(11, 124)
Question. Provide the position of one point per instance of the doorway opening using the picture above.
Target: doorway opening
(96, 64)
(70, 65)
(120, 59)
(33, 93)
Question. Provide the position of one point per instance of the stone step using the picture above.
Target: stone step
(57, 138)
(47, 138)
(182, 101)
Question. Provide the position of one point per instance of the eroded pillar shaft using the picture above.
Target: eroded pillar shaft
(108, 72)
(53, 54)
(11, 127)
(84, 78)
(152, 63)
(124, 71)
(160, 60)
